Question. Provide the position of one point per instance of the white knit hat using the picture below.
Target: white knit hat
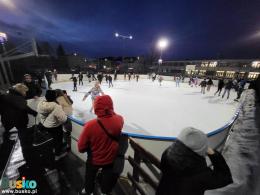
(195, 140)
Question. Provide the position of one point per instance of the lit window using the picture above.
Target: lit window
(220, 73)
(256, 64)
(253, 75)
(230, 74)
(202, 72)
(204, 64)
(213, 64)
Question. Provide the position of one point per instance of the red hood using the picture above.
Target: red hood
(103, 106)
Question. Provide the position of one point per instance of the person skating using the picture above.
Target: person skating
(196, 81)
(177, 80)
(75, 82)
(220, 86)
(160, 79)
(100, 139)
(94, 92)
(106, 77)
(153, 77)
(184, 167)
(209, 84)
(129, 76)
(100, 77)
(115, 75)
(137, 77)
(110, 81)
(48, 76)
(55, 75)
(203, 85)
(80, 76)
(240, 89)
(228, 87)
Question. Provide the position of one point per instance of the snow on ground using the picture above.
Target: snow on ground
(151, 109)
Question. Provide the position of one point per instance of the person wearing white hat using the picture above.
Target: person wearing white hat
(184, 168)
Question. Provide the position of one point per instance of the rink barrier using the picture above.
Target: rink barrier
(165, 138)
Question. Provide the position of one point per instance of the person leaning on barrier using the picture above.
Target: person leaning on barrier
(14, 113)
(52, 118)
(184, 167)
(102, 145)
(66, 103)
(34, 90)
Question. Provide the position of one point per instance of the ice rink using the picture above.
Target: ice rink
(153, 110)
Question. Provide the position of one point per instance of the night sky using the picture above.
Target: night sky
(197, 29)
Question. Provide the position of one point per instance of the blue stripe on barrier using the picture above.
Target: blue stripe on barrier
(165, 138)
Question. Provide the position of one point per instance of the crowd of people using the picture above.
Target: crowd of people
(237, 84)
(183, 165)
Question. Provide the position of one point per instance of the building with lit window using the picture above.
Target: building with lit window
(227, 68)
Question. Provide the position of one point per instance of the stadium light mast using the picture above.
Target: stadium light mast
(162, 45)
(3, 39)
(124, 37)
(117, 35)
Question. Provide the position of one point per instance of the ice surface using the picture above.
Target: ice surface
(155, 110)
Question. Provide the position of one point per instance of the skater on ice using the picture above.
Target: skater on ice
(115, 75)
(240, 89)
(110, 81)
(196, 81)
(153, 77)
(137, 77)
(160, 79)
(129, 76)
(177, 80)
(220, 86)
(203, 85)
(209, 84)
(100, 77)
(75, 82)
(228, 87)
(80, 76)
(94, 92)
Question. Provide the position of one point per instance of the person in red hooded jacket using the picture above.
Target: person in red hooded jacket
(101, 144)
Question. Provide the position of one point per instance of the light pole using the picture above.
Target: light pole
(124, 37)
(3, 39)
(161, 44)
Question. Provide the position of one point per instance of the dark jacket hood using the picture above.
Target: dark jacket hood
(103, 106)
(182, 161)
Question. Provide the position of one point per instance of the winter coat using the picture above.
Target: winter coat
(102, 150)
(65, 104)
(221, 84)
(229, 85)
(210, 82)
(51, 114)
(184, 172)
(34, 90)
(14, 110)
(203, 83)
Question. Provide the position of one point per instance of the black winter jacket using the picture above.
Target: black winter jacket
(184, 172)
(34, 90)
(14, 110)
(221, 84)
(229, 85)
